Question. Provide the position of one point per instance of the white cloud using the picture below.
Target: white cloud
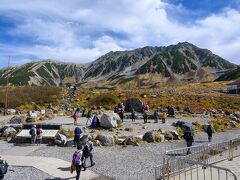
(81, 31)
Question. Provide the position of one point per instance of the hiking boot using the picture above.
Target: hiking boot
(92, 164)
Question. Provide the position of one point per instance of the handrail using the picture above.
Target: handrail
(204, 155)
(208, 165)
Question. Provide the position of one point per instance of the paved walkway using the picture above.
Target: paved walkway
(60, 169)
(21, 150)
(55, 167)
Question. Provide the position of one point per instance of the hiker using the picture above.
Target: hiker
(133, 115)
(78, 109)
(145, 116)
(3, 168)
(87, 153)
(83, 111)
(95, 121)
(33, 132)
(77, 135)
(89, 116)
(164, 117)
(39, 133)
(75, 117)
(188, 136)
(155, 116)
(210, 131)
(77, 160)
(121, 114)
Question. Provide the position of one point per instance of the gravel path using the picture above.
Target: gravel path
(26, 173)
(130, 162)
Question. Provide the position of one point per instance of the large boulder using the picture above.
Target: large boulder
(152, 136)
(106, 140)
(136, 104)
(60, 139)
(17, 120)
(110, 120)
(9, 132)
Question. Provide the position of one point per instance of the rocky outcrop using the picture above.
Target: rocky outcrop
(110, 120)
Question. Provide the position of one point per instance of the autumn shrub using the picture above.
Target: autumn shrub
(27, 95)
(106, 100)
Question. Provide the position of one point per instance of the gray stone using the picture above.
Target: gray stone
(110, 120)
(132, 140)
(9, 132)
(17, 120)
(106, 140)
(60, 139)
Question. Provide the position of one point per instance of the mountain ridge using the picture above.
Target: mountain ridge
(181, 62)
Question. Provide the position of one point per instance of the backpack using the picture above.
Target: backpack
(209, 129)
(39, 131)
(32, 132)
(86, 150)
(3, 168)
(77, 131)
(76, 159)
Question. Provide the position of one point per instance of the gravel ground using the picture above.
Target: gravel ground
(26, 173)
(129, 162)
(5, 146)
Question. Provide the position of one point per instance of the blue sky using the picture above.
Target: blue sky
(80, 31)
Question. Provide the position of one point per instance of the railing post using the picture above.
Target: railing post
(230, 150)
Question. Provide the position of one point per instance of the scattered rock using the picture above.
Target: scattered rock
(17, 120)
(130, 129)
(60, 139)
(168, 135)
(152, 136)
(9, 132)
(131, 140)
(11, 111)
(97, 143)
(110, 120)
(144, 127)
(106, 140)
(30, 119)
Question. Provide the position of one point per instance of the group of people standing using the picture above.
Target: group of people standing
(83, 152)
(36, 134)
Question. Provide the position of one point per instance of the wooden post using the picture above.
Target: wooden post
(6, 95)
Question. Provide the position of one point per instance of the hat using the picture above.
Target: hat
(34, 125)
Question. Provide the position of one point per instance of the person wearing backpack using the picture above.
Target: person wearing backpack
(77, 135)
(155, 116)
(39, 135)
(188, 136)
(75, 117)
(133, 116)
(210, 131)
(33, 133)
(87, 153)
(3, 168)
(77, 161)
(89, 116)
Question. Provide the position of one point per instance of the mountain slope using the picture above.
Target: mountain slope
(183, 60)
(230, 75)
(45, 72)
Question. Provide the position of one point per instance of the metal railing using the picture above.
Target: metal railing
(179, 161)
